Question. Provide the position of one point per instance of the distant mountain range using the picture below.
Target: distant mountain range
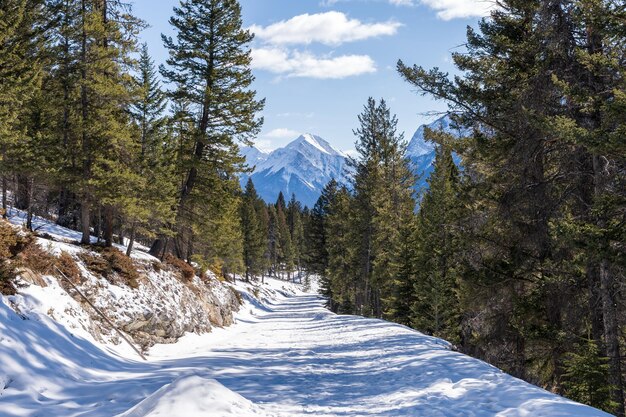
(307, 164)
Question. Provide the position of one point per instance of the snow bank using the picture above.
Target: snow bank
(194, 396)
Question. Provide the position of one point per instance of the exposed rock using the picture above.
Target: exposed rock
(161, 309)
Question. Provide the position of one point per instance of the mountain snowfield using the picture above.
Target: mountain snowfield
(285, 356)
(307, 164)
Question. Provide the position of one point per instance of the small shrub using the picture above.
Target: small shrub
(111, 263)
(238, 296)
(96, 264)
(67, 265)
(8, 240)
(187, 271)
(122, 265)
(36, 259)
(10, 245)
(7, 276)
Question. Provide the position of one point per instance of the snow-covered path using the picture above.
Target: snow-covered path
(286, 357)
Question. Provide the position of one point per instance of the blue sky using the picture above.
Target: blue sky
(317, 61)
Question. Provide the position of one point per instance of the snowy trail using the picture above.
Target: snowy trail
(286, 357)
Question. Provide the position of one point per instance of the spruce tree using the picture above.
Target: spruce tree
(383, 186)
(153, 159)
(436, 307)
(254, 233)
(539, 78)
(209, 69)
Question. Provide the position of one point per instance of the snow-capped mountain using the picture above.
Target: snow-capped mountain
(303, 168)
(306, 165)
(422, 153)
(253, 155)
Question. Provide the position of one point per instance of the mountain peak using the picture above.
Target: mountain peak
(309, 140)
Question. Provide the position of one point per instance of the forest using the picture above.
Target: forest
(515, 252)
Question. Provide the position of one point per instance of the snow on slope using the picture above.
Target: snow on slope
(287, 356)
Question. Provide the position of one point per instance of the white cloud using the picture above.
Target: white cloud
(394, 2)
(330, 28)
(454, 9)
(309, 115)
(282, 133)
(304, 64)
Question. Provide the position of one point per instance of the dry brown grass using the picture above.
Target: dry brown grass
(67, 265)
(187, 271)
(113, 265)
(35, 258)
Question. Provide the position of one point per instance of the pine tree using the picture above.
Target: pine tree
(383, 185)
(585, 376)
(254, 234)
(296, 230)
(343, 244)
(274, 249)
(436, 307)
(209, 68)
(153, 161)
(538, 79)
(21, 74)
(317, 259)
(285, 255)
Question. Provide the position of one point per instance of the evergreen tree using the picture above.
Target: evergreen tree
(285, 254)
(585, 376)
(154, 161)
(383, 185)
(317, 259)
(436, 305)
(296, 230)
(343, 244)
(209, 68)
(539, 78)
(21, 74)
(254, 234)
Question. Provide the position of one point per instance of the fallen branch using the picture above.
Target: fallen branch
(118, 331)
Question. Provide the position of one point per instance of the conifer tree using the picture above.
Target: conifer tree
(21, 74)
(343, 244)
(296, 230)
(209, 68)
(254, 237)
(285, 255)
(317, 259)
(539, 78)
(154, 157)
(383, 185)
(436, 304)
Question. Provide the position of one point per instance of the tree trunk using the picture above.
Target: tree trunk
(611, 336)
(5, 212)
(131, 241)
(85, 218)
(21, 195)
(29, 200)
(86, 142)
(607, 295)
(594, 302)
(158, 248)
(108, 226)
